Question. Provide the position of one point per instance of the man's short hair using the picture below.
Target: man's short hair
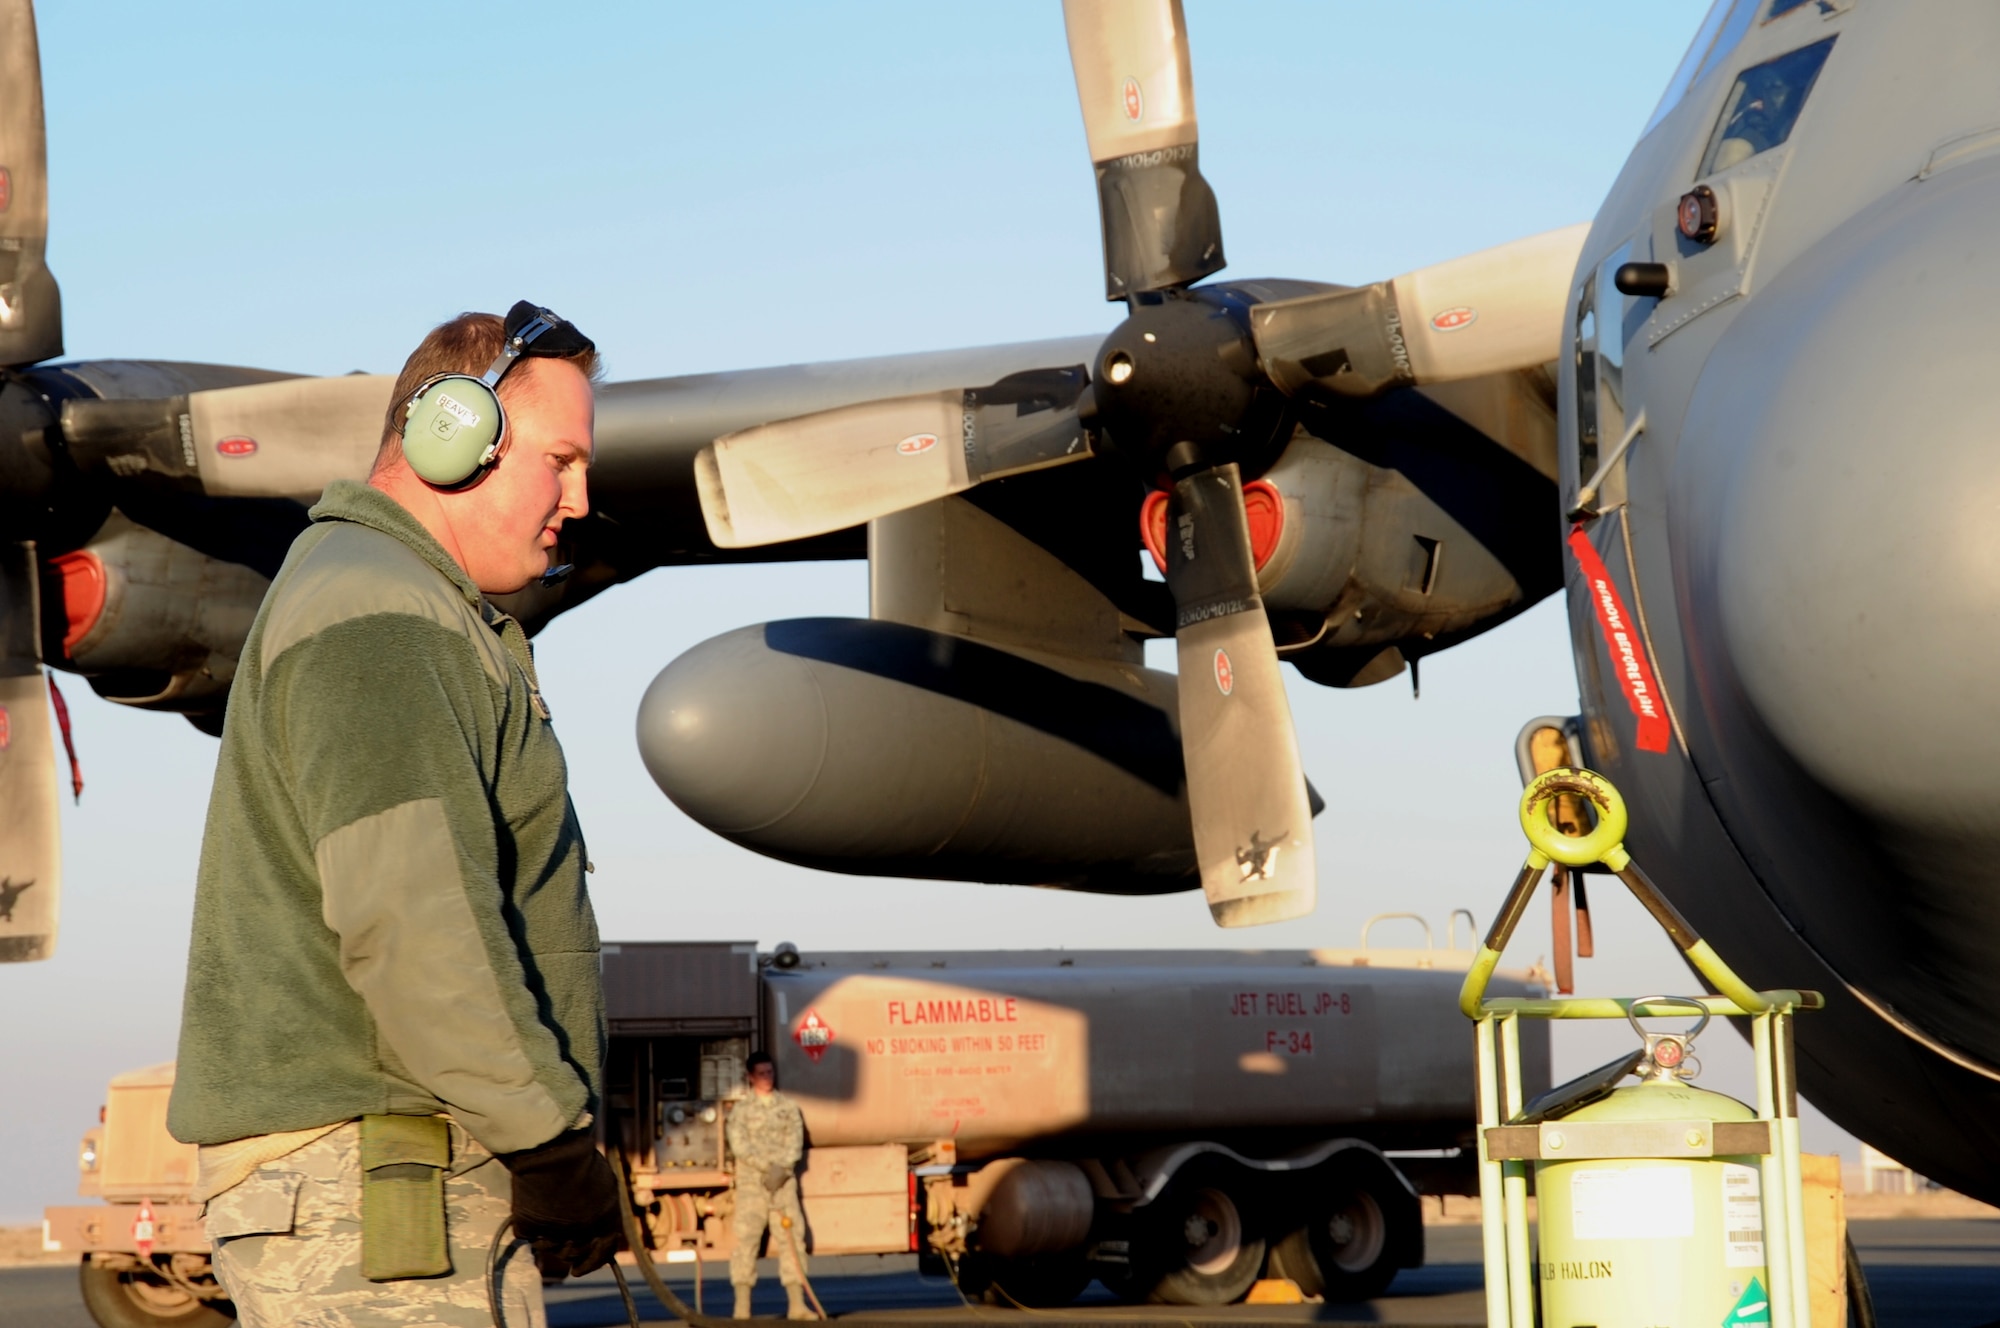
(758, 1058)
(467, 344)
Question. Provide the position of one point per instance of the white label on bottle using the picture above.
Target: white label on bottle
(1639, 1203)
(1742, 1215)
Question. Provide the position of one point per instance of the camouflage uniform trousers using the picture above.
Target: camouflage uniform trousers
(756, 1209)
(288, 1245)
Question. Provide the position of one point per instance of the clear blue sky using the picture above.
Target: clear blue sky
(708, 187)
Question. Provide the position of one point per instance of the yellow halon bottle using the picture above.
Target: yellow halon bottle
(1665, 1230)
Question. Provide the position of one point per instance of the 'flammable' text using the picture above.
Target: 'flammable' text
(975, 1010)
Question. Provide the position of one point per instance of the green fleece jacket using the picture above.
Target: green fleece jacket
(390, 914)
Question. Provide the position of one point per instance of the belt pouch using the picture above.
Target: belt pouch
(403, 1159)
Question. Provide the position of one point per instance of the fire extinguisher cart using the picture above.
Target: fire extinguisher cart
(1649, 1195)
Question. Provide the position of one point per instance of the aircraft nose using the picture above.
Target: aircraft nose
(1836, 512)
(1845, 448)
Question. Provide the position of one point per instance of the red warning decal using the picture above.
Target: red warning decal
(6, 730)
(813, 1035)
(1451, 320)
(236, 445)
(6, 188)
(1225, 673)
(917, 444)
(1628, 655)
(1135, 100)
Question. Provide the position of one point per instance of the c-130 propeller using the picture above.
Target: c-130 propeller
(1193, 392)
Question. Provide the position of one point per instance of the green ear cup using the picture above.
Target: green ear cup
(451, 429)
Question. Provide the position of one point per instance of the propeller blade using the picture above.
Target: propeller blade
(1135, 84)
(30, 836)
(287, 439)
(291, 438)
(1246, 789)
(1489, 312)
(30, 304)
(839, 468)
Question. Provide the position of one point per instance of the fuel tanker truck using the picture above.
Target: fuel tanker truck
(1175, 1124)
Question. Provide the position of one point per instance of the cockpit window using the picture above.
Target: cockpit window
(1763, 107)
(1783, 7)
(1717, 36)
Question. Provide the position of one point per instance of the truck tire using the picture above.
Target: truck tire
(120, 1299)
(1358, 1223)
(1195, 1244)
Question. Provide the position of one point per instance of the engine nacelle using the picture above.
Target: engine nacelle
(1430, 526)
(877, 748)
(153, 623)
(1374, 554)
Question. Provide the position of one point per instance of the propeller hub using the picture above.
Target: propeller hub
(1180, 376)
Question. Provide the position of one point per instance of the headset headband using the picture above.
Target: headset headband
(526, 327)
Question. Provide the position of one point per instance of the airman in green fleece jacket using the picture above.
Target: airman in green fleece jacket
(390, 917)
(391, 913)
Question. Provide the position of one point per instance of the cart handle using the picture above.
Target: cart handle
(1604, 844)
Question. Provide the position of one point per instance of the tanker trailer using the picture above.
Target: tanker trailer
(1175, 1124)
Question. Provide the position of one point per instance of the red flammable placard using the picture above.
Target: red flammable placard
(1628, 656)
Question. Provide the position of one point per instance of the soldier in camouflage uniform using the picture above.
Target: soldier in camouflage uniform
(767, 1136)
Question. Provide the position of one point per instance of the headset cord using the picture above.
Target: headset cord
(641, 1256)
(644, 1259)
(493, 1275)
(625, 1294)
(493, 1271)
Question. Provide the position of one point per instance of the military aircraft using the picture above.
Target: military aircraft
(1347, 479)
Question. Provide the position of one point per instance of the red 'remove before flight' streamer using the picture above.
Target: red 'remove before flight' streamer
(1628, 658)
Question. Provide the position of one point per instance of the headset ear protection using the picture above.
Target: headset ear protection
(454, 426)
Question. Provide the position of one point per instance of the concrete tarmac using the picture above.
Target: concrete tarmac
(1933, 1273)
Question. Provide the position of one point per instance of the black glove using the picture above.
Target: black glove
(775, 1177)
(566, 1204)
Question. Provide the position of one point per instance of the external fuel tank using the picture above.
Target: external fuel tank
(880, 748)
